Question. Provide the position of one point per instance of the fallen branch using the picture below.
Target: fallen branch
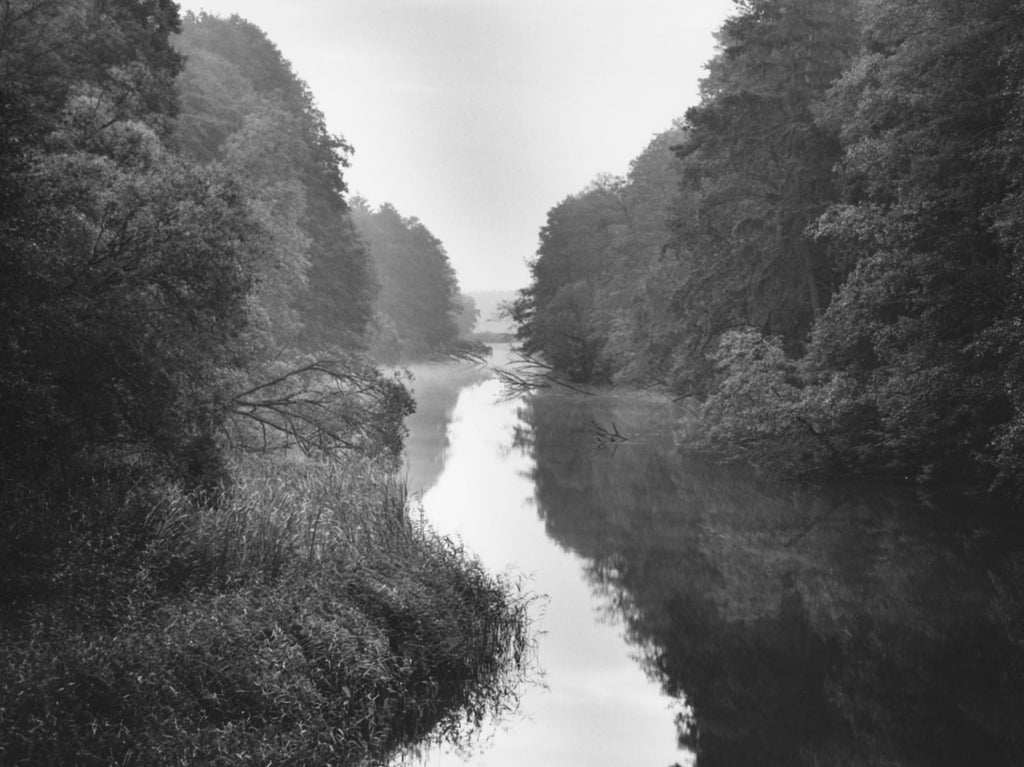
(528, 374)
(604, 437)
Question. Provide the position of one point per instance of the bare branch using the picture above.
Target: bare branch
(528, 373)
(322, 406)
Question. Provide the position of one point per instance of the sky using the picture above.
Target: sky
(478, 116)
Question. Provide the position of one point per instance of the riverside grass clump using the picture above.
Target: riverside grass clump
(301, 618)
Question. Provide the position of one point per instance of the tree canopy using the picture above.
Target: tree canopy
(182, 275)
(244, 108)
(835, 279)
(419, 306)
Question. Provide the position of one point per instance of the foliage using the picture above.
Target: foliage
(641, 290)
(50, 49)
(556, 314)
(147, 292)
(757, 398)
(909, 367)
(244, 108)
(836, 278)
(707, 232)
(126, 269)
(467, 314)
(177, 293)
(321, 407)
(419, 303)
(922, 328)
(586, 310)
(757, 167)
(303, 619)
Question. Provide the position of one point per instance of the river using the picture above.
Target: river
(698, 614)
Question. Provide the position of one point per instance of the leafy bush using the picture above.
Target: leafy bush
(759, 409)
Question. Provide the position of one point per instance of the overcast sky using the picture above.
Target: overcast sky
(477, 116)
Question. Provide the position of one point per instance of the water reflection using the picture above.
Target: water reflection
(436, 386)
(598, 707)
(802, 625)
(695, 607)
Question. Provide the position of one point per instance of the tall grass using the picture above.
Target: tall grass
(281, 517)
(301, 618)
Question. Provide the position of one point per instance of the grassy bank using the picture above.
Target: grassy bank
(301, 619)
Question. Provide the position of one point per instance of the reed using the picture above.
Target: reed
(300, 618)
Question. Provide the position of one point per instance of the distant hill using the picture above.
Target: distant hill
(488, 301)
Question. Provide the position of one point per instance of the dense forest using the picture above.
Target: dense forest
(825, 253)
(204, 554)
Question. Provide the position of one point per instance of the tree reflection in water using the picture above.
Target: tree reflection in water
(818, 626)
(436, 387)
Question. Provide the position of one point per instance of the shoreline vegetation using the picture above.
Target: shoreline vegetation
(824, 252)
(301, 618)
(205, 557)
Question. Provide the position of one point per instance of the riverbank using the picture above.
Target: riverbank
(302, 619)
(752, 439)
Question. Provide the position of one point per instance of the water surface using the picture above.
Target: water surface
(698, 614)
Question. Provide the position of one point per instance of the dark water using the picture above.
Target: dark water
(697, 614)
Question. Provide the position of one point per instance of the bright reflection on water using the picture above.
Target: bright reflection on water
(802, 625)
(598, 708)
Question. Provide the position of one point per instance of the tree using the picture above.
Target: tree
(49, 49)
(560, 315)
(760, 165)
(243, 107)
(467, 314)
(638, 294)
(117, 51)
(323, 407)
(920, 334)
(127, 270)
(419, 298)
